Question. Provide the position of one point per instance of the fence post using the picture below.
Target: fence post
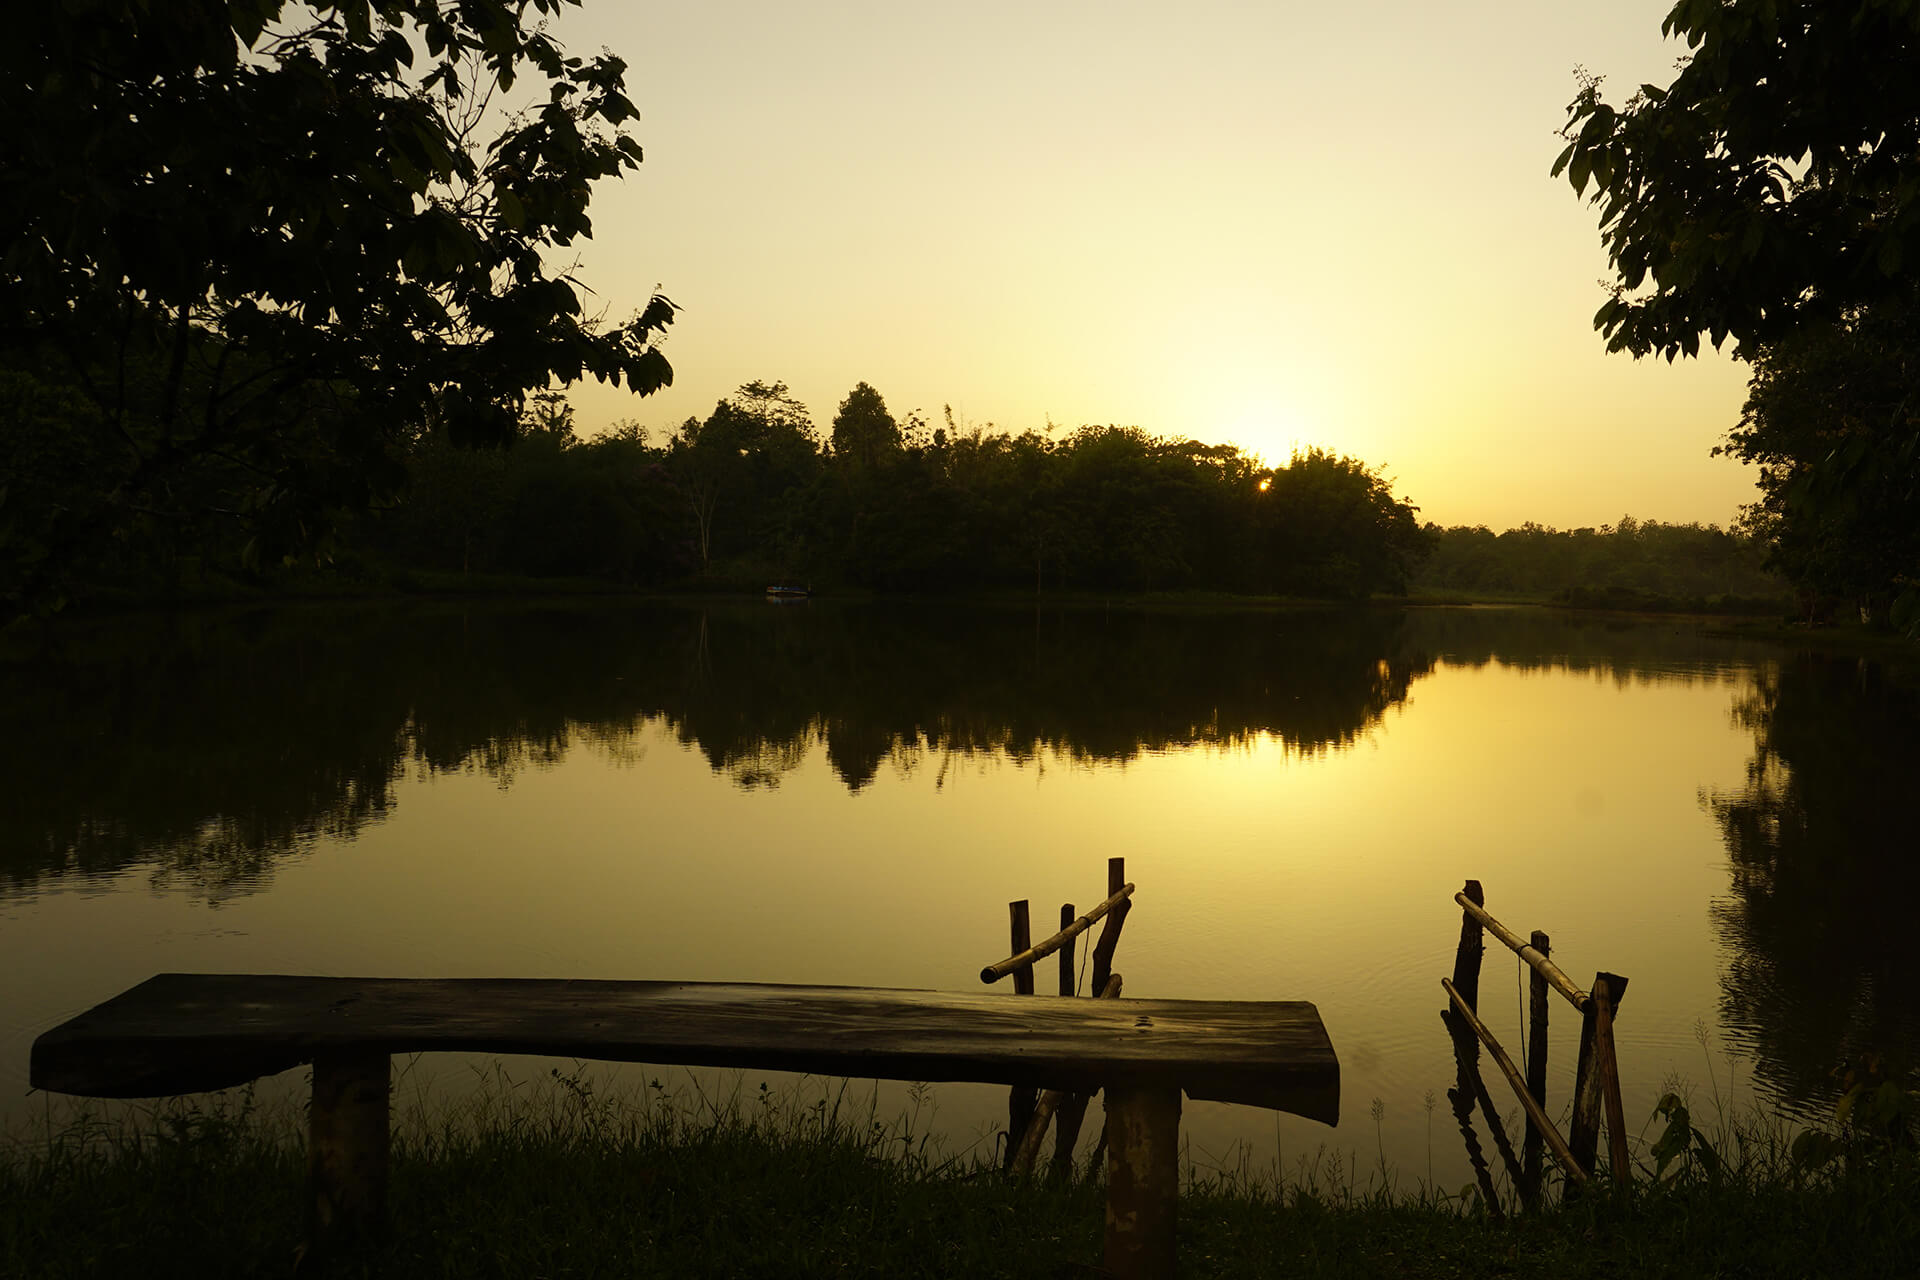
(1607, 1068)
(1020, 1100)
(1068, 952)
(1466, 961)
(1537, 995)
(1583, 1137)
(1110, 931)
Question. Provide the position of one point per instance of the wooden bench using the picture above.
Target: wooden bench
(185, 1033)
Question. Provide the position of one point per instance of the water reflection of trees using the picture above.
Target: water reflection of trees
(902, 685)
(1626, 649)
(1819, 919)
(203, 749)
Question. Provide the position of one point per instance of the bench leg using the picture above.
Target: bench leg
(1143, 1180)
(347, 1149)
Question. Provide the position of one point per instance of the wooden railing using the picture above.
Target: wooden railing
(1596, 1084)
(1030, 1111)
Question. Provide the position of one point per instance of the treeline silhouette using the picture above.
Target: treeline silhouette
(754, 493)
(1635, 564)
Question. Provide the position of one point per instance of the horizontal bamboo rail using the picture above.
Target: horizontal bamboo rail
(1534, 1111)
(1033, 955)
(1555, 976)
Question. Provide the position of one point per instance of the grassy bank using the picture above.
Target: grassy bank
(562, 1182)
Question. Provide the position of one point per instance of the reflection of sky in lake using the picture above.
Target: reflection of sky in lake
(1265, 872)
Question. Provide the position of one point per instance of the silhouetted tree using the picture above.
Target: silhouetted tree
(1333, 528)
(864, 433)
(267, 246)
(742, 470)
(1832, 420)
(1774, 181)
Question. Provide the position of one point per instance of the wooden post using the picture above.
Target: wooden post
(1143, 1179)
(1607, 1068)
(1020, 933)
(1537, 995)
(1066, 953)
(1466, 961)
(1116, 920)
(347, 1149)
(1583, 1136)
(1020, 1100)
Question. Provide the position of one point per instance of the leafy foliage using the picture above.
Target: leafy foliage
(266, 246)
(1833, 424)
(1775, 181)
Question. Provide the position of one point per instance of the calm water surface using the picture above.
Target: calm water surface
(842, 794)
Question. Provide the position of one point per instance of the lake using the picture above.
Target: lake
(852, 793)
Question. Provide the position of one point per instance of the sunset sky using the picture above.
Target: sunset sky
(1274, 224)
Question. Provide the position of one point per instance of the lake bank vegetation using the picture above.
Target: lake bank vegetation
(563, 1178)
(754, 494)
(1634, 565)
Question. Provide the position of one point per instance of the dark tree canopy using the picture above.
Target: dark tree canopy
(863, 431)
(254, 248)
(1832, 421)
(1775, 181)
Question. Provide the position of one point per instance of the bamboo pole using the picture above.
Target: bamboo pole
(1466, 960)
(1608, 1069)
(1500, 1058)
(1537, 1009)
(1028, 956)
(1052, 1101)
(1541, 965)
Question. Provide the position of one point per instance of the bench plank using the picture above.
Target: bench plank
(185, 1033)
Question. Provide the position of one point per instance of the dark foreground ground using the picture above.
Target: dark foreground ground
(584, 1188)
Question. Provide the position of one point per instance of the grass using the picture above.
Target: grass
(565, 1181)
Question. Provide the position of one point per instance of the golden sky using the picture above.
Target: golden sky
(1277, 224)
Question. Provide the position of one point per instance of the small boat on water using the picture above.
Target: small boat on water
(788, 591)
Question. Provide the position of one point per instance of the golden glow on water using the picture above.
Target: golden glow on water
(1265, 871)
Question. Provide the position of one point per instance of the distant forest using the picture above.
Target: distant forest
(1634, 564)
(752, 494)
(755, 493)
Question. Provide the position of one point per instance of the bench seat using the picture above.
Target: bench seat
(186, 1033)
